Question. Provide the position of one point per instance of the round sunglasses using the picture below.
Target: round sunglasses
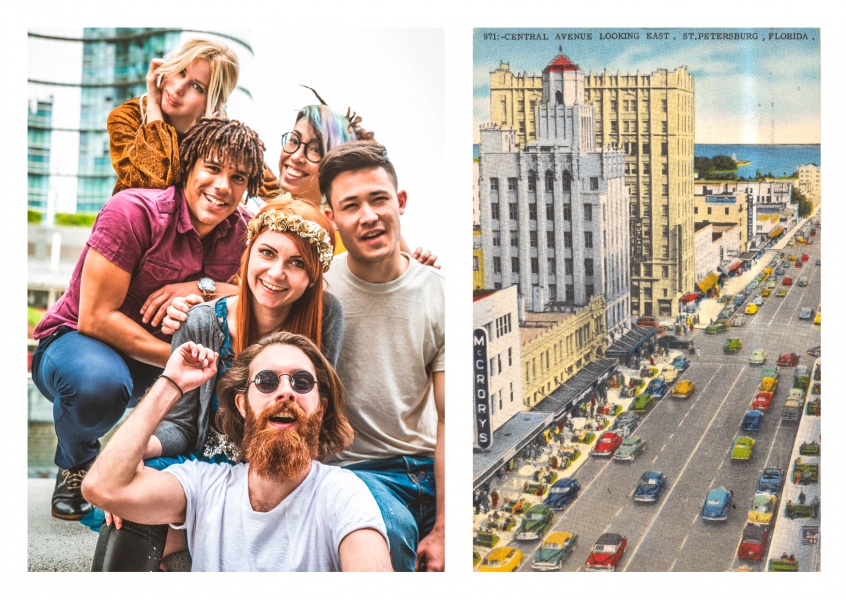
(267, 382)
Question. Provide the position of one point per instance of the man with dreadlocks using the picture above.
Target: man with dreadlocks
(100, 346)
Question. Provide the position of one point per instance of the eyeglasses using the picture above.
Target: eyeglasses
(291, 142)
(268, 382)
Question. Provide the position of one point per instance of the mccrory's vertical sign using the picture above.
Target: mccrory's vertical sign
(481, 397)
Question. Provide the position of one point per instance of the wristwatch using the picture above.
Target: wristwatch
(206, 285)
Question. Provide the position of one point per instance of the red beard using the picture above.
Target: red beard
(281, 454)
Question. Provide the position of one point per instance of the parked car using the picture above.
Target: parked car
(674, 343)
(781, 292)
(779, 271)
(753, 543)
(631, 447)
(767, 291)
(802, 282)
(716, 505)
(535, 523)
(742, 448)
(758, 357)
(788, 359)
(555, 549)
(763, 507)
(763, 401)
(752, 420)
(806, 314)
(770, 371)
(642, 402)
(716, 327)
(626, 422)
(683, 389)
(818, 318)
(768, 384)
(669, 373)
(680, 363)
(737, 321)
(817, 263)
(759, 300)
(502, 559)
(804, 258)
(771, 481)
(649, 487)
(607, 444)
(607, 553)
(732, 345)
(562, 493)
(816, 351)
(751, 309)
(657, 387)
(725, 313)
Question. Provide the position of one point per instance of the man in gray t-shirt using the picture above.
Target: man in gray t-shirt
(282, 406)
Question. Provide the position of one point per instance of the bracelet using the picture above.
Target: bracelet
(181, 393)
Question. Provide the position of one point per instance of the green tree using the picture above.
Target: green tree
(797, 197)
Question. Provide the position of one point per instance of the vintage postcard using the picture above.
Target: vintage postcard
(647, 300)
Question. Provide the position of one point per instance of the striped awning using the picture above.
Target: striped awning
(707, 283)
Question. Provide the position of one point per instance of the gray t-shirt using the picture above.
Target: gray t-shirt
(303, 533)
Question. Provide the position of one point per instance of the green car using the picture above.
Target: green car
(553, 551)
(742, 449)
(641, 403)
(781, 292)
(716, 327)
(770, 371)
(732, 345)
(535, 523)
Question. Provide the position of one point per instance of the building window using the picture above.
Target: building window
(515, 264)
(553, 292)
(664, 105)
(588, 212)
(589, 291)
(665, 272)
(497, 264)
(533, 239)
(565, 181)
(588, 239)
(533, 211)
(709, 210)
(532, 182)
(512, 184)
(646, 168)
(594, 183)
(568, 239)
(614, 128)
(512, 211)
(568, 266)
(696, 210)
(568, 216)
(550, 265)
(665, 169)
(614, 106)
(589, 267)
(569, 293)
(514, 237)
(550, 239)
(535, 266)
(665, 231)
(495, 211)
(509, 352)
(549, 181)
(475, 263)
(494, 184)
(727, 211)
(647, 270)
(666, 252)
(645, 149)
(496, 239)
(550, 212)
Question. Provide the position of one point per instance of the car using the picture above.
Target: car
(806, 314)
(535, 523)
(817, 263)
(771, 283)
(562, 493)
(669, 373)
(788, 359)
(752, 420)
(649, 487)
(767, 291)
(631, 447)
(716, 505)
(725, 313)
(680, 363)
(607, 444)
(752, 287)
(674, 343)
(759, 300)
(502, 559)
(787, 281)
(737, 321)
(738, 300)
(657, 387)
(626, 422)
(642, 402)
(779, 271)
(804, 258)
(753, 543)
(771, 481)
(802, 370)
(751, 309)
(763, 401)
(683, 389)
(555, 549)
(763, 507)
(716, 327)
(802, 282)
(816, 351)
(606, 553)
(770, 371)
(818, 319)
(742, 448)
(798, 264)
(732, 345)
(758, 357)
(791, 258)
(781, 292)
(768, 384)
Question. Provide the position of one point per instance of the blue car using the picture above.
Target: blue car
(752, 420)
(716, 505)
(771, 481)
(680, 363)
(656, 388)
(562, 493)
(649, 487)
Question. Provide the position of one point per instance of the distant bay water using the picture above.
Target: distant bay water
(778, 159)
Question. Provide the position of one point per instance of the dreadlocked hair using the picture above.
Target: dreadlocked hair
(224, 141)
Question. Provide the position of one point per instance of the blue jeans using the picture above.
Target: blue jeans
(90, 385)
(404, 489)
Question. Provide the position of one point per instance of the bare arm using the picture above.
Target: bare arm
(102, 292)
(364, 550)
(156, 306)
(115, 483)
(430, 550)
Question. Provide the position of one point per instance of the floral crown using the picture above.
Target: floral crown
(276, 220)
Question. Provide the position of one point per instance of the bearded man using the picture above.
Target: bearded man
(279, 509)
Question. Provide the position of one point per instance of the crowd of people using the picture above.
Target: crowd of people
(285, 364)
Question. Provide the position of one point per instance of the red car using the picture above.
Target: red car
(787, 281)
(607, 553)
(763, 401)
(804, 258)
(754, 541)
(607, 444)
(788, 359)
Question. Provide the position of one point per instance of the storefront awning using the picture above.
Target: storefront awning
(776, 232)
(707, 283)
(735, 265)
(631, 341)
(509, 439)
(562, 400)
(689, 298)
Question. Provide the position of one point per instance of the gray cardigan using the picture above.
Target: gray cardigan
(185, 426)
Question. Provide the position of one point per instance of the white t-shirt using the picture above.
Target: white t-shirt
(302, 533)
(393, 341)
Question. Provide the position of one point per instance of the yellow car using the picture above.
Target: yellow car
(766, 292)
(751, 309)
(502, 559)
(763, 507)
(792, 258)
(818, 319)
(683, 389)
